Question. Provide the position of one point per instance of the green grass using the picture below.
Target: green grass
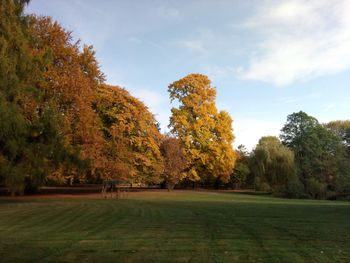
(174, 227)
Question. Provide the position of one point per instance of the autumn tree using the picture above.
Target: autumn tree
(175, 161)
(30, 135)
(71, 80)
(205, 134)
(133, 139)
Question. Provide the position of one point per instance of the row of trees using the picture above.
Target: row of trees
(60, 123)
(309, 160)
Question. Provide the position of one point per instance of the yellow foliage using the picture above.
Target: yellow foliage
(205, 133)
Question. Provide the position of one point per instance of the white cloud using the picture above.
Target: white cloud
(249, 131)
(299, 40)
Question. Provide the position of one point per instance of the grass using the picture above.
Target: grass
(182, 226)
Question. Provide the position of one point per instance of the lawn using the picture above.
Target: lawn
(180, 226)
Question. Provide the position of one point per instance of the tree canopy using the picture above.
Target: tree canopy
(205, 133)
(319, 152)
(273, 164)
(71, 80)
(60, 123)
(30, 135)
(175, 162)
(132, 136)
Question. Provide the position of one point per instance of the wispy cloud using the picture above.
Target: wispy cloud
(299, 40)
(216, 72)
(192, 45)
(201, 41)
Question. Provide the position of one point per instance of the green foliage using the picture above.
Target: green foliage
(241, 172)
(30, 135)
(342, 130)
(320, 153)
(273, 166)
(315, 189)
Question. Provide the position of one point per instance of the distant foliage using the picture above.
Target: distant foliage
(342, 130)
(321, 158)
(273, 165)
(240, 176)
(313, 160)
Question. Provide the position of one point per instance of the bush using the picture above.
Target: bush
(315, 189)
(294, 188)
(262, 186)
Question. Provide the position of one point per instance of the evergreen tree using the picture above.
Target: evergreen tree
(30, 141)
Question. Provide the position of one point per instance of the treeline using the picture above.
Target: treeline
(310, 160)
(61, 124)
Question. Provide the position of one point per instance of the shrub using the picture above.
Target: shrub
(315, 188)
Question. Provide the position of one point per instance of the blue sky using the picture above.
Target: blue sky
(266, 58)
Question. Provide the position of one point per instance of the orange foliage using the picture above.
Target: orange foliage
(71, 80)
(132, 135)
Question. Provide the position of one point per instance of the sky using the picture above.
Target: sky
(266, 58)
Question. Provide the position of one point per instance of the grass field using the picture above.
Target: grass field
(182, 226)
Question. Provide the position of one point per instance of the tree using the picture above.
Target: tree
(71, 80)
(205, 134)
(30, 136)
(317, 150)
(273, 164)
(342, 130)
(132, 136)
(241, 172)
(175, 161)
